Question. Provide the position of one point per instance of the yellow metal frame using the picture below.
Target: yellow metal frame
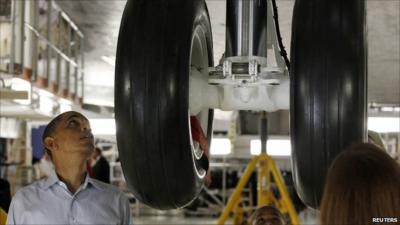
(266, 166)
(3, 217)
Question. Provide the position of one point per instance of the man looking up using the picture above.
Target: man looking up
(69, 195)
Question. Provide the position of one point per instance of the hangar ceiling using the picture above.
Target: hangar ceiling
(100, 20)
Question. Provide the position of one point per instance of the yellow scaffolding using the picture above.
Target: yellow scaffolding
(266, 166)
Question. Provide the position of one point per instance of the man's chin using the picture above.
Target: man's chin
(87, 151)
(89, 146)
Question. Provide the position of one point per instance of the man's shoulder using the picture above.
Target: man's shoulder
(105, 187)
(109, 191)
(29, 190)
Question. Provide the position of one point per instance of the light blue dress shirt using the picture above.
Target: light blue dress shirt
(49, 201)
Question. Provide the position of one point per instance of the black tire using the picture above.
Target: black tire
(328, 88)
(152, 104)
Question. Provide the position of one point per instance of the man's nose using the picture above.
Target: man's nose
(85, 126)
(87, 130)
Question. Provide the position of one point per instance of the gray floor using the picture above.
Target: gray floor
(307, 217)
(175, 220)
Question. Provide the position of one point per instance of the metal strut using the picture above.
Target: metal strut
(266, 167)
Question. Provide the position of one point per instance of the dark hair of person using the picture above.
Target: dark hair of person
(49, 131)
(98, 150)
(267, 215)
(363, 183)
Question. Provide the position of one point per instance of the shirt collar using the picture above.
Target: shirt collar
(53, 179)
(50, 180)
(93, 182)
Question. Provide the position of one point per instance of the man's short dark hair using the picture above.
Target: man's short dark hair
(50, 130)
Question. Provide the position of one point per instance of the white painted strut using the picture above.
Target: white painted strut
(259, 97)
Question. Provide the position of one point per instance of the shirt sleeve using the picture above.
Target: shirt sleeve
(125, 210)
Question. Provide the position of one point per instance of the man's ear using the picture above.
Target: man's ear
(49, 143)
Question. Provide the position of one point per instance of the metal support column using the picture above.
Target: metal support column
(68, 64)
(263, 131)
(82, 66)
(49, 38)
(19, 36)
(246, 28)
(76, 67)
(263, 171)
(13, 38)
(224, 179)
(267, 170)
(58, 56)
(31, 41)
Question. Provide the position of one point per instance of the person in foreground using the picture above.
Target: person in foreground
(99, 166)
(69, 195)
(267, 215)
(362, 187)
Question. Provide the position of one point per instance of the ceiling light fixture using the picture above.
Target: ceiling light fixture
(103, 126)
(384, 124)
(220, 146)
(275, 147)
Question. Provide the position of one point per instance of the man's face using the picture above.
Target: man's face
(72, 135)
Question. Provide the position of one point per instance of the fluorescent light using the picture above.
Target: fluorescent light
(220, 146)
(255, 147)
(223, 115)
(384, 124)
(19, 84)
(103, 126)
(46, 104)
(390, 109)
(279, 147)
(387, 109)
(275, 147)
